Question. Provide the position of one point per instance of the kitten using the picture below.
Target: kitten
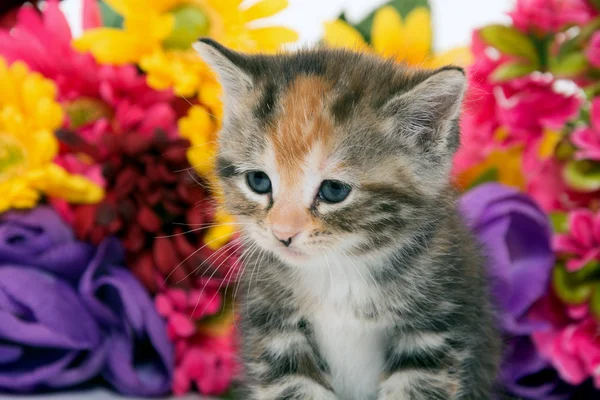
(362, 282)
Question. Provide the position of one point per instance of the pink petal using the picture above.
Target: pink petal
(181, 325)
(181, 382)
(55, 22)
(582, 226)
(163, 305)
(179, 297)
(91, 14)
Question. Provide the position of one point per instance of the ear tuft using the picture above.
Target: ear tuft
(228, 64)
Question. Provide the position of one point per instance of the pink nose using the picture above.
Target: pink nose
(285, 236)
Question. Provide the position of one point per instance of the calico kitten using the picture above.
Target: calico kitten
(366, 284)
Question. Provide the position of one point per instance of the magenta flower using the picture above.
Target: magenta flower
(530, 104)
(550, 16)
(571, 345)
(593, 50)
(587, 139)
(582, 242)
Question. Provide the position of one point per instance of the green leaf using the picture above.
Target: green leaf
(569, 66)
(596, 4)
(560, 223)
(110, 18)
(403, 6)
(510, 41)
(582, 175)
(568, 289)
(512, 70)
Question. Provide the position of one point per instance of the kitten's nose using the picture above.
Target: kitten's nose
(285, 237)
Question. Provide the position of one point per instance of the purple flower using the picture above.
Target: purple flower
(40, 239)
(516, 238)
(47, 337)
(140, 358)
(70, 312)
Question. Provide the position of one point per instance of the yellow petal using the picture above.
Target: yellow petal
(112, 46)
(460, 56)
(418, 36)
(548, 143)
(340, 34)
(271, 38)
(387, 33)
(263, 9)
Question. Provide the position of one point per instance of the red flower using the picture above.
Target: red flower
(157, 206)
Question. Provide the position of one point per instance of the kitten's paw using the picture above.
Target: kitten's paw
(292, 388)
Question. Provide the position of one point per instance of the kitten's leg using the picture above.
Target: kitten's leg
(420, 366)
(283, 364)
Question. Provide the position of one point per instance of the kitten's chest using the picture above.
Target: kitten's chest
(353, 349)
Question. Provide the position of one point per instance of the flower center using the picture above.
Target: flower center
(13, 159)
(86, 110)
(190, 24)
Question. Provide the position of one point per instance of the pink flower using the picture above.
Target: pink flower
(571, 345)
(530, 104)
(98, 98)
(587, 139)
(204, 356)
(209, 362)
(593, 50)
(582, 242)
(549, 16)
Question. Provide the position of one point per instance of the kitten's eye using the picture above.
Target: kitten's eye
(334, 191)
(259, 182)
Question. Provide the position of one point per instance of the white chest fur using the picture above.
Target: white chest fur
(353, 348)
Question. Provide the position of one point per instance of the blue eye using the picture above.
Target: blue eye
(334, 191)
(259, 182)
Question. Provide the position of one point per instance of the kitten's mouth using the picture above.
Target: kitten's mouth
(293, 253)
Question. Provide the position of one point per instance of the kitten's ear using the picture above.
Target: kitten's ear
(230, 66)
(427, 114)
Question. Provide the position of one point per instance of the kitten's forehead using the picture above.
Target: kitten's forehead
(302, 133)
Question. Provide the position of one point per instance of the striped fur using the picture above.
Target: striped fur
(379, 296)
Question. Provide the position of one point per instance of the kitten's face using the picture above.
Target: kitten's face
(329, 153)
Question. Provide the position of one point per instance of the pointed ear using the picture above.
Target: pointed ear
(230, 66)
(426, 115)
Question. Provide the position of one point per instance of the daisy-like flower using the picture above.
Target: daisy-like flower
(29, 115)
(407, 40)
(158, 36)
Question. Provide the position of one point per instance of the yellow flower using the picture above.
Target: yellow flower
(506, 164)
(407, 40)
(29, 115)
(158, 35)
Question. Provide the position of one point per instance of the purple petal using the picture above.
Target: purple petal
(9, 353)
(54, 314)
(34, 368)
(86, 366)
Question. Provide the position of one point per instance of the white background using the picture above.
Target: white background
(453, 22)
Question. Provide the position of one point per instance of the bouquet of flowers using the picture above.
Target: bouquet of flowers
(114, 259)
(530, 166)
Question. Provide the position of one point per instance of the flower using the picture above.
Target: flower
(102, 321)
(592, 52)
(515, 234)
(158, 36)
(98, 99)
(582, 242)
(200, 325)
(139, 356)
(44, 330)
(528, 105)
(157, 206)
(571, 345)
(407, 40)
(526, 374)
(40, 238)
(29, 115)
(48, 339)
(550, 16)
(587, 139)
